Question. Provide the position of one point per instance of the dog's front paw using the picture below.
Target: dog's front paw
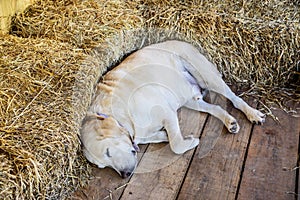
(232, 125)
(188, 143)
(255, 116)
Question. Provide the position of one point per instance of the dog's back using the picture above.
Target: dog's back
(194, 62)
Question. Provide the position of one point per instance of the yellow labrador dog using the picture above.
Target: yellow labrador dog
(137, 103)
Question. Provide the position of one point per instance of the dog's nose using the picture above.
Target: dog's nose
(125, 174)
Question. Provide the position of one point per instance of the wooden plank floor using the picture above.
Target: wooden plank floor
(260, 162)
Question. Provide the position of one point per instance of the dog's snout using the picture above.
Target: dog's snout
(125, 174)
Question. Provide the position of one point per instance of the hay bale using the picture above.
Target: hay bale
(9, 8)
(254, 42)
(45, 89)
(38, 126)
(83, 24)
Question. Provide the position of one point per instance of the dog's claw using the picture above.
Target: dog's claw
(257, 122)
(256, 117)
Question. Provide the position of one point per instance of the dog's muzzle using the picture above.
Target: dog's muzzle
(125, 173)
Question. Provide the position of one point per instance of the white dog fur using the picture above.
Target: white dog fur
(137, 103)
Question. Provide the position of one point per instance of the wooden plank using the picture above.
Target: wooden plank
(217, 175)
(161, 172)
(105, 184)
(273, 153)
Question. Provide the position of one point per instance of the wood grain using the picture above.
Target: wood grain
(272, 156)
(217, 175)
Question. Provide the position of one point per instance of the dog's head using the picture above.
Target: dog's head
(108, 144)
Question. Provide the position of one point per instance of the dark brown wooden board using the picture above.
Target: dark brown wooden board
(272, 155)
(217, 175)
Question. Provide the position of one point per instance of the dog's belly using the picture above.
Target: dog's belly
(147, 95)
(150, 105)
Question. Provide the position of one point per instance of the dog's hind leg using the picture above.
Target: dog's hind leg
(178, 143)
(215, 110)
(209, 78)
(253, 115)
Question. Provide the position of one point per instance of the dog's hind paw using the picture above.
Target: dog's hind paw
(232, 125)
(255, 116)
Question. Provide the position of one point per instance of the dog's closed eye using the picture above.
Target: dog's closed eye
(107, 153)
(133, 152)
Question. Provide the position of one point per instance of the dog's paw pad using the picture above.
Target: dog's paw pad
(233, 126)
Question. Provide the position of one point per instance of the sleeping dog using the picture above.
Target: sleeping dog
(137, 103)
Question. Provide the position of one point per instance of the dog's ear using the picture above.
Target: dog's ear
(136, 147)
(101, 116)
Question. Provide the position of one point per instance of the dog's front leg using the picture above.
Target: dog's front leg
(178, 144)
(156, 137)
